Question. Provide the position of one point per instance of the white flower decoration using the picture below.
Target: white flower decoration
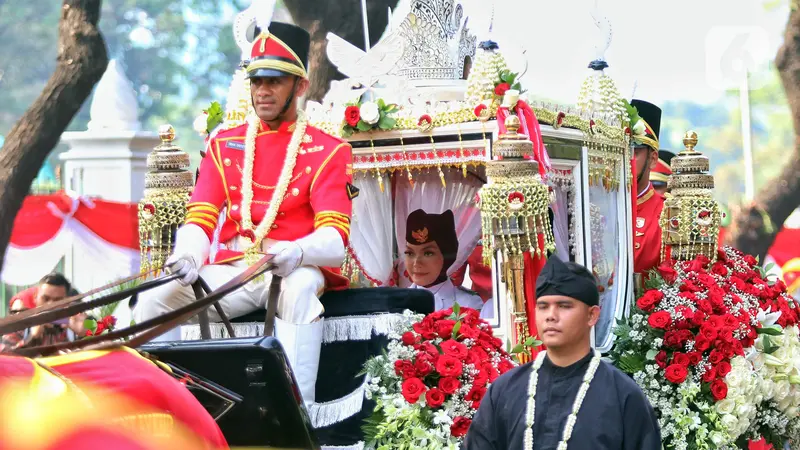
(200, 123)
(639, 128)
(370, 113)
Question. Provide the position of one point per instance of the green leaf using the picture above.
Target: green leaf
(456, 308)
(90, 324)
(769, 347)
(655, 281)
(363, 126)
(631, 363)
(387, 123)
(456, 327)
(381, 104)
(530, 341)
(770, 331)
(133, 322)
(517, 349)
(651, 354)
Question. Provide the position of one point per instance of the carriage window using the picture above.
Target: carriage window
(604, 223)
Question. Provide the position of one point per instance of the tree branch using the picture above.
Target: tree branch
(757, 224)
(81, 61)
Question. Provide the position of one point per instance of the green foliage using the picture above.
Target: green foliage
(215, 116)
(178, 54)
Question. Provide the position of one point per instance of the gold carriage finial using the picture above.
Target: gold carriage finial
(689, 141)
(691, 218)
(167, 187)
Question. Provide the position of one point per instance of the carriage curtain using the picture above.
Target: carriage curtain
(102, 235)
(371, 228)
(429, 194)
(561, 221)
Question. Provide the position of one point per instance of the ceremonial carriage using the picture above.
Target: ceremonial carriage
(451, 131)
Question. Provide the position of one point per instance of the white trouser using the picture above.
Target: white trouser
(296, 327)
(298, 302)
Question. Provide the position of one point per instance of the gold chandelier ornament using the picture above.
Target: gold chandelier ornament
(514, 212)
(168, 185)
(691, 218)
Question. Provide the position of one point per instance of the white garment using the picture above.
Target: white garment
(298, 302)
(446, 294)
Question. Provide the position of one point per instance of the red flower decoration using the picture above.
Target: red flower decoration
(352, 115)
(660, 320)
(480, 109)
(719, 389)
(449, 385)
(500, 89)
(460, 426)
(449, 366)
(148, 210)
(412, 389)
(434, 398)
(676, 373)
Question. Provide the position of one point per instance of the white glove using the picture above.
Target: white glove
(288, 256)
(322, 248)
(191, 251)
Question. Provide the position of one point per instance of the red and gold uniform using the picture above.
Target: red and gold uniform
(310, 228)
(318, 194)
(647, 231)
(130, 393)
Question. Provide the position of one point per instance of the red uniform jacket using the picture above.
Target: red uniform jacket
(320, 193)
(647, 231)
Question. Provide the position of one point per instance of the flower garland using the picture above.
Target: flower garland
(257, 235)
(530, 412)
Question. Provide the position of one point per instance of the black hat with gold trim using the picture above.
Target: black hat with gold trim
(645, 123)
(281, 50)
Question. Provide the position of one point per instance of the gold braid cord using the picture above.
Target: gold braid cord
(168, 186)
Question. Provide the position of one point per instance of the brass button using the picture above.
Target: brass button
(295, 192)
(637, 246)
(274, 226)
(227, 161)
(281, 213)
(234, 207)
(233, 188)
(308, 169)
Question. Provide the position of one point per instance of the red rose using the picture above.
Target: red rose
(453, 348)
(109, 321)
(468, 332)
(429, 348)
(719, 389)
(660, 320)
(434, 398)
(460, 426)
(719, 269)
(89, 333)
(475, 394)
(672, 339)
(449, 366)
(425, 329)
(423, 367)
(479, 109)
(680, 358)
(409, 338)
(449, 385)
(676, 373)
(723, 369)
(490, 371)
(715, 357)
(100, 328)
(695, 358)
(661, 359)
(500, 89)
(750, 260)
(698, 318)
(705, 306)
(352, 115)
(504, 366)
(477, 356)
(413, 388)
(702, 343)
(667, 272)
(400, 365)
(650, 300)
(445, 328)
(708, 331)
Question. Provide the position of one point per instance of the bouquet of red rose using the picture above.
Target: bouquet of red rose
(691, 342)
(429, 384)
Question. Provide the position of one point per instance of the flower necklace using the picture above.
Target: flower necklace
(530, 412)
(257, 235)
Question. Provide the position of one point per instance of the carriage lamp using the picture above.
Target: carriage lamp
(691, 217)
(514, 215)
(168, 184)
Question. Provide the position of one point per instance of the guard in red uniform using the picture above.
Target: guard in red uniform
(287, 188)
(646, 230)
(659, 175)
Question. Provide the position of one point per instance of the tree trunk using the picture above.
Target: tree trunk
(81, 61)
(756, 224)
(343, 18)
